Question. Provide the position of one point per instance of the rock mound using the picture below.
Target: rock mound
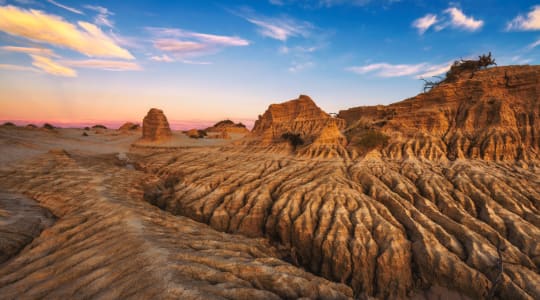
(493, 114)
(228, 127)
(129, 127)
(155, 126)
(300, 117)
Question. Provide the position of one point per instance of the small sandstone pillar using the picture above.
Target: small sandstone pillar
(155, 126)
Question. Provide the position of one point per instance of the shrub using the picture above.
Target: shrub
(99, 126)
(48, 126)
(371, 139)
(8, 124)
(86, 128)
(294, 139)
(135, 127)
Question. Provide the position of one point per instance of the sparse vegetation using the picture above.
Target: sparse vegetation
(372, 139)
(9, 124)
(86, 128)
(84, 134)
(459, 67)
(31, 126)
(294, 139)
(135, 127)
(99, 126)
(48, 126)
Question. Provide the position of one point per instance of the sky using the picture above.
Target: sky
(82, 62)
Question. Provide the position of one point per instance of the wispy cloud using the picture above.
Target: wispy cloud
(71, 9)
(330, 3)
(424, 23)
(529, 22)
(399, 70)
(52, 67)
(29, 50)
(452, 17)
(162, 58)
(281, 28)
(109, 65)
(459, 20)
(39, 26)
(300, 66)
(17, 68)
(102, 17)
(182, 44)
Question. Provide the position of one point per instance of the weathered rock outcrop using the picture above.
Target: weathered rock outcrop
(492, 115)
(21, 220)
(227, 127)
(129, 127)
(155, 126)
(319, 132)
(108, 243)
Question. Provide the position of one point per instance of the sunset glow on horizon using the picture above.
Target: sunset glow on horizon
(71, 62)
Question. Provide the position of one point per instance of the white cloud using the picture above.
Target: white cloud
(29, 50)
(71, 9)
(52, 67)
(109, 65)
(182, 44)
(38, 26)
(398, 70)
(297, 67)
(424, 23)
(281, 28)
(102, 17)
(529, 22)
(162, 58)
(533, 45)
(459, 20)
(451, 17)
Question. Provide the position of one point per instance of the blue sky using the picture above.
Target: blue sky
(208, 60)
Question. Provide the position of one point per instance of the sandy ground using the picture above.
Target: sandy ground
(20, 143)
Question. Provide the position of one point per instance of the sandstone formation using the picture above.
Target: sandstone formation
(108, 243)
(155, 126)
(195, 133)
(493, 115)
(300, 117)
(434, 197)
(405, 219)
(21, 220)
(228, 127)
(129, 127)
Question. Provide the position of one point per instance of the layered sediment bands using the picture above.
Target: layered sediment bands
(109, 243)
(299, 116)
(21, 220)
(155, 126)
(387, 228)
(492, 115)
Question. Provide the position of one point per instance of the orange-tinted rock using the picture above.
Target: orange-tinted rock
(129, 126)
(228, 126)
(299, 116)
(156, 126)
(493, 115)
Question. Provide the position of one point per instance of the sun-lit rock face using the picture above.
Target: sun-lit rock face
(109, 243)
(491, 115)
(319, 132)
(155, 126)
